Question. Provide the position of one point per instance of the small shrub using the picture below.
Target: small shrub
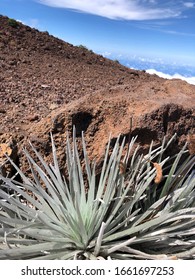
(12, 23)
(83, 47)
(117, 61)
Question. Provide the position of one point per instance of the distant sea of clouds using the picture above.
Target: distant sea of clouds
(190, 80)
(170, 70)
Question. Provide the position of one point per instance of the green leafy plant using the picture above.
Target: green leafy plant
(12, 23)
(123, 213)
(117, 61)
(83, 47)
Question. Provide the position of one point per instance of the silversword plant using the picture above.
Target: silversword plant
(145, 211)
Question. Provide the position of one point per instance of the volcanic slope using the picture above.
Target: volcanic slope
(39, 72)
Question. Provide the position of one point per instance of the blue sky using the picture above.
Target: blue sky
(152, 31)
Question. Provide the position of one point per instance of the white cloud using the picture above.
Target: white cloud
(32, 22)
(189, 4)
(158, 26)
(106, 54)
(178, 33)
(20, 21)
(121, 9)
(190, 80)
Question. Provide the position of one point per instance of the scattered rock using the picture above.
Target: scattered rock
(32, 118)
(191, 143)
(53, 106)
(2, 111)
(45, 86)
(5, 150)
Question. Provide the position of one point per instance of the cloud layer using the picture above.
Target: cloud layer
(190, 80)
(189, 4)
(124, 9)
